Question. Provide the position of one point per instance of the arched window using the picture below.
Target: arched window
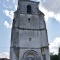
(29, 9)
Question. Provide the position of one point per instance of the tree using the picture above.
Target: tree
(54, 57)
(59, 53)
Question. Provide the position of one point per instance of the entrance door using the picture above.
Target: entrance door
(30, 58)
(30, 55)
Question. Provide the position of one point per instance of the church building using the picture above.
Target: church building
(29, 40)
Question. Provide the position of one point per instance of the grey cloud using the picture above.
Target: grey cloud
(52, 5)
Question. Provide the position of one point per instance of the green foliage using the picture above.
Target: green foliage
(54, 57)
(59, 53)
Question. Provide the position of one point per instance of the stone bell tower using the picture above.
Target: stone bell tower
(29, 39)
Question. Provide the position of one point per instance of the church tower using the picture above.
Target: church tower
(29, 39)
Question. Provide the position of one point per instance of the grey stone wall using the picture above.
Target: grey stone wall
(29, 33)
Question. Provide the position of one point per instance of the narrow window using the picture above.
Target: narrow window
(29, 9)
(29, 39)
(29, 19)
(44, 56)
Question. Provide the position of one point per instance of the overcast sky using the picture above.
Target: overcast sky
(51, 9)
